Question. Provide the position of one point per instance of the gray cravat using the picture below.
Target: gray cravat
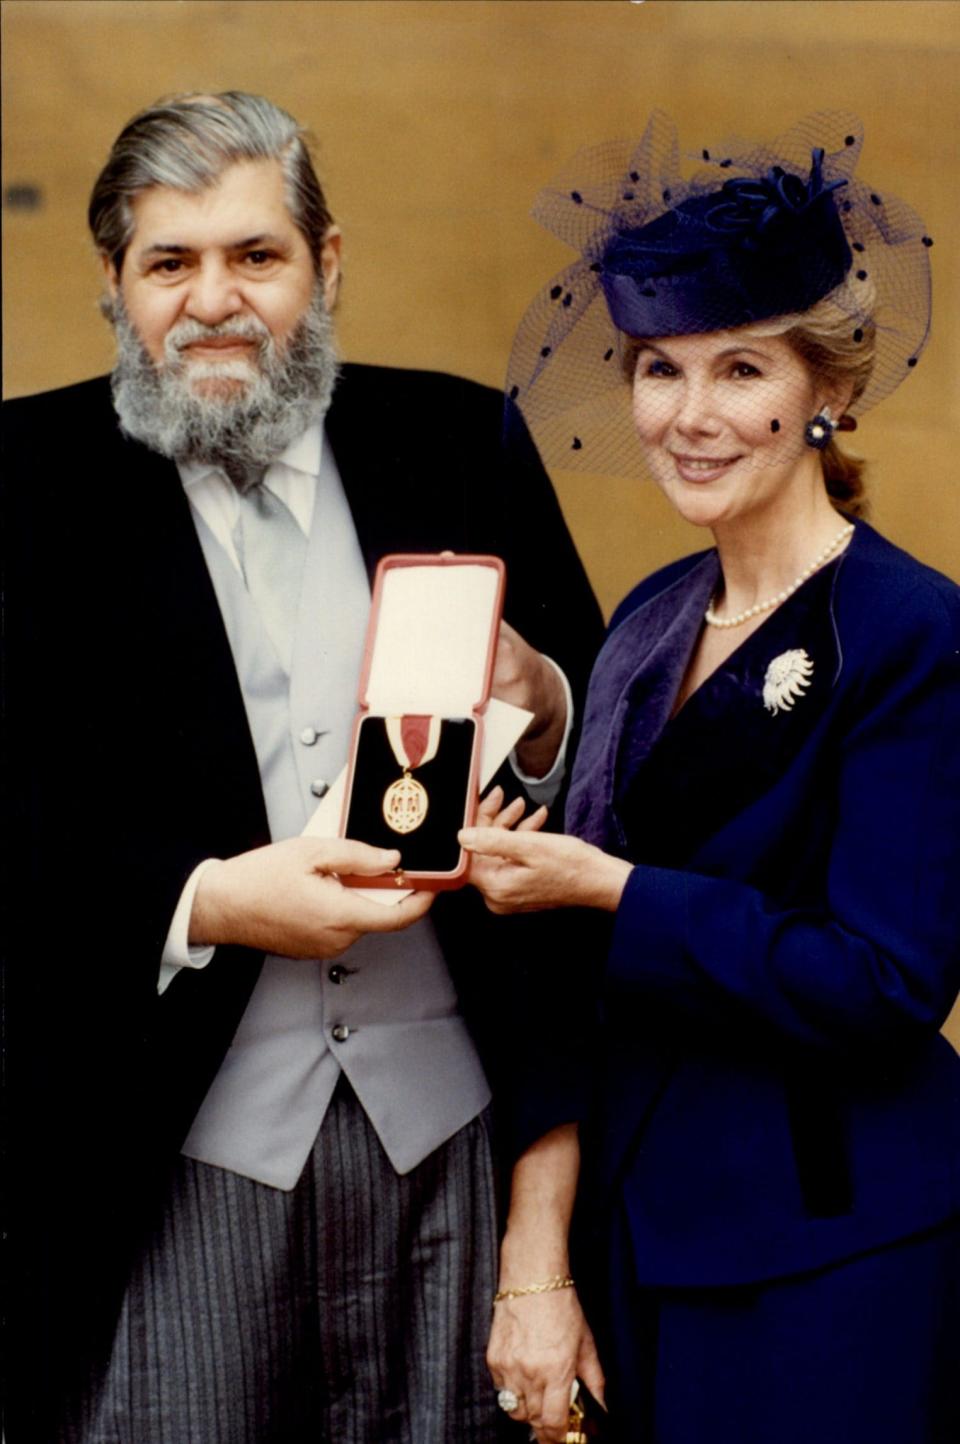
(271, 549)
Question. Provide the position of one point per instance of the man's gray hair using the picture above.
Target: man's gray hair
(187, 142)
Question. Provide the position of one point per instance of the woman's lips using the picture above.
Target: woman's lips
(702, 468)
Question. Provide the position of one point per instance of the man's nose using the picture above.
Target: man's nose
(214, 294)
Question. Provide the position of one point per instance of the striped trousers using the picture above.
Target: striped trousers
(352, 1310)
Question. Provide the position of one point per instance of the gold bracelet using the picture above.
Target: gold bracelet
(548, 1286)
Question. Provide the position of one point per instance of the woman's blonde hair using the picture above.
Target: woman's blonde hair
(842, 356)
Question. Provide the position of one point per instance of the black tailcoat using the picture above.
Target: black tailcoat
(130, 759)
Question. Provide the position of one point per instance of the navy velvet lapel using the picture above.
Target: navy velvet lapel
(632, 691)
(725, 749)
(654, 788)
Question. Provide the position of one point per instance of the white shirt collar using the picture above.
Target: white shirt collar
(292, 478)
(302, 455)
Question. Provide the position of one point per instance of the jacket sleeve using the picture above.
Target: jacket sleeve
(548, 592)
(878, 957)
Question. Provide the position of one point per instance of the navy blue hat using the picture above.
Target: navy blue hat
(755, 248)
(746, 233)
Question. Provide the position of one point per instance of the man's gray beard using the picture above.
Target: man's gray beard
(245, 427)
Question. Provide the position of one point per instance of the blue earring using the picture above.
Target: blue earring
(818, 433)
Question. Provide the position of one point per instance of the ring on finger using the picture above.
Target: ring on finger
(509, 1401)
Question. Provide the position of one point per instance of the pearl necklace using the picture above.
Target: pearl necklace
(711, 618)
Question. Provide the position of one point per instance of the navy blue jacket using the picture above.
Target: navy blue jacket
(776, 1095)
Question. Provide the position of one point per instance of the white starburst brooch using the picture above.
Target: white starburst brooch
(788, 677)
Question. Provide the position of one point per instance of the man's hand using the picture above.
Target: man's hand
(525, 678)
(287, 898)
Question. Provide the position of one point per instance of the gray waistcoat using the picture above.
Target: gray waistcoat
(407, 1053)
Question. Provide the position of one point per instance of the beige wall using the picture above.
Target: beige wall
(438, 120)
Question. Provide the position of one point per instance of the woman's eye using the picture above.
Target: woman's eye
(744, 368)
(661, 368)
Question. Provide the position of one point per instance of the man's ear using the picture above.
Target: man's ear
(111, 274)
(108, 298)
(330, 266)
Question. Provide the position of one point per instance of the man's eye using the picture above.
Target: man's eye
(169, 266)
(259, 258)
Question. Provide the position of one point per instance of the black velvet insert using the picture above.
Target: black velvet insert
(433, 847)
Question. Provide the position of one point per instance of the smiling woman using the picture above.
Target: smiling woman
(765, 802)
(704, 409)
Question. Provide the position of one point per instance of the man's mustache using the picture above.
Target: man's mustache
(241, 328)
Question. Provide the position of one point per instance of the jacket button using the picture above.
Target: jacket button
(309, 736)
(337, 973)
(319, 787)
(341, 1033)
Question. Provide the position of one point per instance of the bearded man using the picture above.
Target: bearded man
(253, 1194)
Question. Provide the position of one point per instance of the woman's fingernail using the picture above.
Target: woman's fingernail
(467, 837)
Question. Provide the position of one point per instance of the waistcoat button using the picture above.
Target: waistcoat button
(319, 787)
(337, 973)
(341, 1033)
(308, 736)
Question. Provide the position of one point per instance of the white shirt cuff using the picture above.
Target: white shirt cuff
(543, 790)
(177, 951)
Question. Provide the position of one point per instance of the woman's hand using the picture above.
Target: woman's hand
(538, 1345)
(540, 1341)
(519, 869)
(492, 813)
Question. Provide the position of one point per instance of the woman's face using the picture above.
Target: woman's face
(720, 418)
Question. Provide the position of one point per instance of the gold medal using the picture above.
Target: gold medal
(413, 740)
(405, 804)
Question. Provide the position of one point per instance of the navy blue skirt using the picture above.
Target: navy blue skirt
(864, 1352)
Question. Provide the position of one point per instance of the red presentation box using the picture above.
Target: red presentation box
(412, 781)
